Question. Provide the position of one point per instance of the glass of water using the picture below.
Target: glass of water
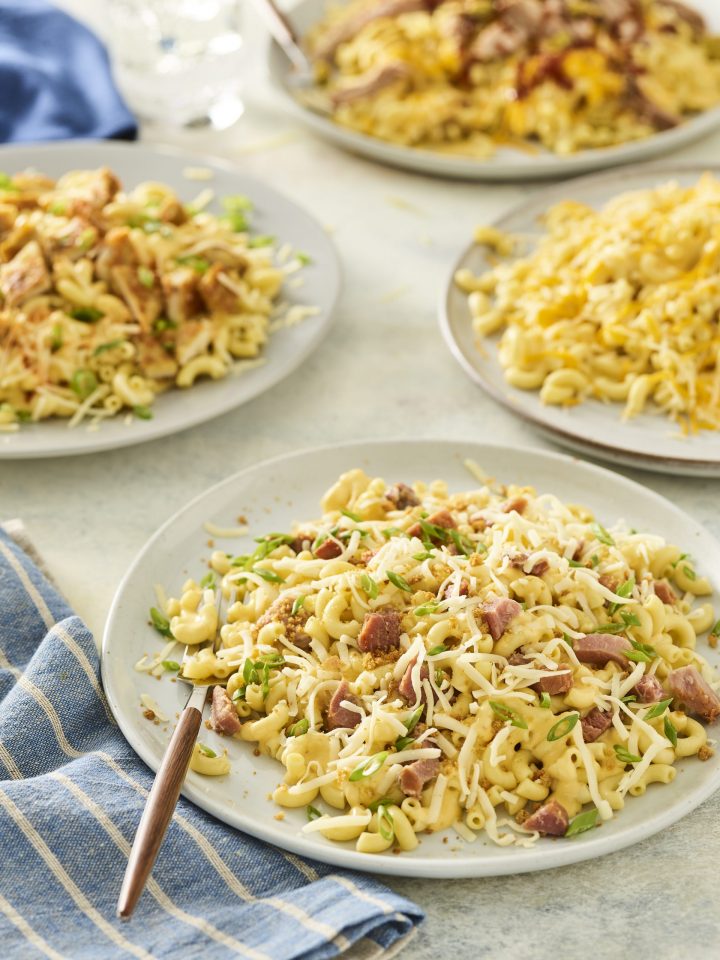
(179, 62)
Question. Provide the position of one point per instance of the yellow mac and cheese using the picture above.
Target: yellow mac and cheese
(467, 76)
(109, 298)
(494, 661)
(618, 304)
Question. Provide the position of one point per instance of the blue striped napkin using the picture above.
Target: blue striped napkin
(71, 795)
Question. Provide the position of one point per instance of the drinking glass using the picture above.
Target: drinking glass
(179, 62)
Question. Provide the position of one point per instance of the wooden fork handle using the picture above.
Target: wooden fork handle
(159, 809)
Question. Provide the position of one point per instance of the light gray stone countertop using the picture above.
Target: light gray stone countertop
(384, 371)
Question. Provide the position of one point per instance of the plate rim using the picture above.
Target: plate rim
(155, 430)
(607, 451)
(435, 163)
(525, 861)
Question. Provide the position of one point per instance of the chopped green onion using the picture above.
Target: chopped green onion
(206, 751)
(624, 590)
(563, 727)
(630, 698)
(641, 652)
(160, 622)
(87, 238)
(629, 619)
(602, 535)
(412, 720)
(83, 383)
(545, 700)
(507, 713)
(440, 648)
(352, 516)
(142, 412)
(689, 573)
(58, 208)
(610, 628)
(297, 606)
(56, 337)
(164, 323)
(427, 555)
(399, 581)
(170, 664)
(715, 632)
(304, 258)
(658, 709)
(575, 563)
(239, 694)
(86, 314)
(433, 532)
(368, 766)
(624, 755)
(683, 556)
(199, 264)
(250, 673)
(670, 731)
(463, 544)
(369, 586)
(582, 822)
(208, 580)
(299, 728)
(382, 802)
(104, 347)
(402, 743)
(426, 609)
(146, 277)
(595, 560)
(268, 575)
(312, 812)
(261, 240)
(23, 415)
(392, 532)
(6, 183)
(386, 826)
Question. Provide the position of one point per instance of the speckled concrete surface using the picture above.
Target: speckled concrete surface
(385, 372)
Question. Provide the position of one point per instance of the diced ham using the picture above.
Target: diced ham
(328, 549)
(556, 684)
(380, 631)
(280, 611)
(193, 338)
(406, 689)
(223, 716)
(374, 82)
(691, 689)
(302, 541)
(538, 568)
(517, 659)
(25, 276)
(443, 518)
(498, 614)
(350, 26)
(180, 288)
(516, 505)
(663, 590)
(217, 297)
(145, 303)
(402, 496)
(551, 820)
(595, 724)
(154, 361)
(339, 716)
(601, 648)
(609, 582)
(450, 590)
(648, 689)
(415, 775)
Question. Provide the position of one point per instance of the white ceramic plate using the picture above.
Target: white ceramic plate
(273, 214)
(650, 441)
(505, 164)
(273, 495)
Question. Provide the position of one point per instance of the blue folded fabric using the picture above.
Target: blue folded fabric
(55, 80)
(71, 795)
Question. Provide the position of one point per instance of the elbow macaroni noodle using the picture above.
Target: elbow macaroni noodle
(496, 747)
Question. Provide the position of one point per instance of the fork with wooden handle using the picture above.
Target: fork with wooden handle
(163, 797)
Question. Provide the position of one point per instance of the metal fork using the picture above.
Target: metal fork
(164, 793)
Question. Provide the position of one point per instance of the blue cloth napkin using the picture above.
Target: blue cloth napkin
(55, 80)
(71, 795)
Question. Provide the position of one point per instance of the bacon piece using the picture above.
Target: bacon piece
(380, 631)
(406, 689)
(415, 775)
(551, 820)
(557, 684)
(280, 611)
(648, 689)
(339, 716)
(372, 84)
(443, 518)
(25, 276)
(690, 688)
(180, 287)
(223, 716)
(402, 496)
(663, 590)
(328, 549)
(498, 614)
(595, 724)
(350, 26)
(537, 569)
(601, 648)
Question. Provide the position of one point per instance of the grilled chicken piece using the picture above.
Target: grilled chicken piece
(69, 238)
(117, 250)
(85, 192)
(154, 361)
(193, 338)
(216, 295)
(25, 276)
(145, 302)
(181, 294)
